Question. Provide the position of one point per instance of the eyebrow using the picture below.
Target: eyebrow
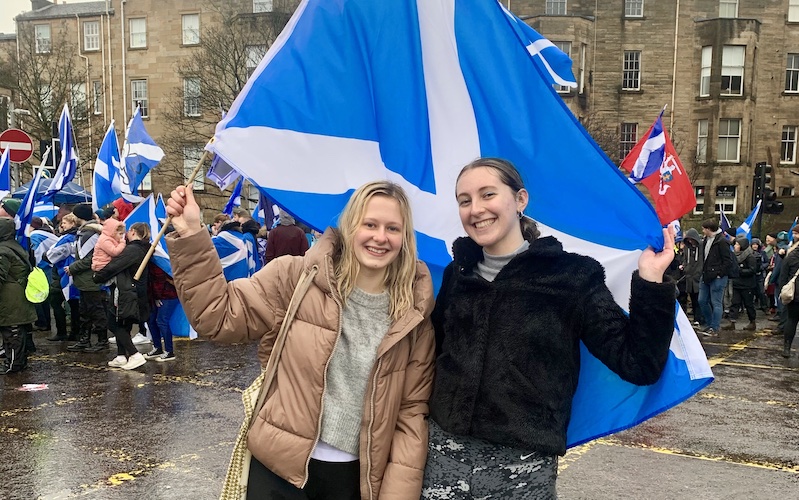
(484, 188)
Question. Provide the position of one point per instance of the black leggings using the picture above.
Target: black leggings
(326, 481)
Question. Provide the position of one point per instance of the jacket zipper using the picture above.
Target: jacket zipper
(371, 424)
(324, 383)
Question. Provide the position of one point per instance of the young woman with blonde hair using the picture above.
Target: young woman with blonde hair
(345, 417)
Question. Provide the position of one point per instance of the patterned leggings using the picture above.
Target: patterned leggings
(465, 468)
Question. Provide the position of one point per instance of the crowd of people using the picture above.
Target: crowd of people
(723, 274)
(91, 258)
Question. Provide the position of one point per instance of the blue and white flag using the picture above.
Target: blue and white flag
(140, 153)
(234, 200)
(107, 185)
(233, 254)
(413, 90)
(745, 229)
(651, 156)
(25, 213)
(68, 166)
(724, 222)
(61, 255)
(41, 242)
(45, 210)
(5, 173)
(795, 220)
(221, 174)
(160, 209)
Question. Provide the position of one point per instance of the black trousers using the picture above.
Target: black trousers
(14, 342)
(60, 314)
(93, 315)
(745, 297)
(326, 481)
(121, 330)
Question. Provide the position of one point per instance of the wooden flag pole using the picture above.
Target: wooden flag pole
(160, 234)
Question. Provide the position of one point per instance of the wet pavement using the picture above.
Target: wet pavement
(165, 430)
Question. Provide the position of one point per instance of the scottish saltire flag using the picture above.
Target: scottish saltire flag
(651, 154)
(25, 213)
(412, 90)
(45, 210)
(146, 212)
(61, 255)
(5, 173)
(68, 166)
(233, 254)
(160, 209)
(140, 153)
(265, 212)
(745, 229)
(795, 220)
(41, 242)
(724, 222)
(235, 198)
(107, 185)
(221, 174)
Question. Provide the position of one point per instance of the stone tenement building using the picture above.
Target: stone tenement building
(727, 69)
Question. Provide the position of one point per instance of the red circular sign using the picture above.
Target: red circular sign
(20, 144)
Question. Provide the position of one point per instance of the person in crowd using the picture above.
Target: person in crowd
(93, 298)
(692, 267)
(286, 238)
(717, 260)
(16, 313)
(773, 262)
(790, 316)
(163, 302)
(219, 219)
(130, 304)
(232, 250)
(761, 301)
(782, 310)
(9, 207)
(104, 214)
(743, 285)
(729, 235)
(263, 234)
(122, 208)
(360, 350)
(509, 318)
(110, 243)
(62, 289)
(41, 240)
(249, 230)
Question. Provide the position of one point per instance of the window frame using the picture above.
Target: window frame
(556, 7)
(42, 44)
(94, 37)
(793, 11)
(637, 5)
(792, 73)
(193, 33)
(706, 66)
(137, 39)
(191, 97)
(727, 90)
(702, 140)
(78, 101)
(699, 194)
(723, 200)
(727, 137)
(97, 96)
(262, 6)
(629, 73)
(788, 145)
(628, 137)
(728, 4)
(143, 101)
(254, 55)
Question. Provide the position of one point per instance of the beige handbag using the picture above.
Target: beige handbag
(253, 397)
(788, 291)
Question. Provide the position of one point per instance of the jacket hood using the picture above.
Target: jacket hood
(250, 226)
(285, 219)
(692, 234)
(123, 207)
(110, 226)
(93, 226)
(8, 229)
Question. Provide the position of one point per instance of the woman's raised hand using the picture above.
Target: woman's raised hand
(184, 210)
(651, 264)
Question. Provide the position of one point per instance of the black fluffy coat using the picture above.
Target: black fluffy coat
(508, 351)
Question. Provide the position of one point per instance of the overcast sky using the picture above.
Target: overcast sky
(11, 8)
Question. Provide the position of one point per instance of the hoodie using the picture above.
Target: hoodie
(107, 244)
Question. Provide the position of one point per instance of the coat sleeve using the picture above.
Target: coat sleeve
(405, 468)
(5, 268)
(635, 347)
(245, 308)
(81, 265)
(130, 256)
(441, 305)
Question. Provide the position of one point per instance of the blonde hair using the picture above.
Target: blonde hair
(71, 218)
(400, 273)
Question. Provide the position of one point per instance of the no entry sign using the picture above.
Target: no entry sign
(18, 142)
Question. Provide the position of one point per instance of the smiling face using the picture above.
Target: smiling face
(489, 210)
(378, 240)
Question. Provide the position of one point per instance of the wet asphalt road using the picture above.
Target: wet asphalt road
(165, 430)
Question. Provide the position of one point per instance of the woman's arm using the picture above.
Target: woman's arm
(130, 257)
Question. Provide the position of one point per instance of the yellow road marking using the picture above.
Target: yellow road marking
(764, 367)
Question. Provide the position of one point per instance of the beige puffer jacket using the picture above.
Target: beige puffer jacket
(393, 436)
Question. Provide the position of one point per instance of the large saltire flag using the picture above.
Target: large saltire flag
(140, 153)
(421, 88)
(107, 185)
(5, 173)
(146, 212)
(745, 229)
(68, 166)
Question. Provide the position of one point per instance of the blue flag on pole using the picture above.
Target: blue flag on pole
(724, 222)
(25, 212)
(140, 153)
(745, 229)
(107, 185)
(68, 166)
(234, 200)
(5, 173)
(423, 87)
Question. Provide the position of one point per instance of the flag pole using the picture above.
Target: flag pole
(168, 220)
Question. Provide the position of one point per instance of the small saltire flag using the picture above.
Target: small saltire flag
(654, 162)
(5, 173)
(421, 89)
(233, 254)
(745, 229)
(140, 153)
(160, 209)
(724, 222)
(235, 198)
(41, 242)
(68, 166)
(107, 185)
(61, 255)
(795, 220)
(25, 213)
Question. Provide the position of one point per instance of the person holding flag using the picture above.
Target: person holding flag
(509, 318)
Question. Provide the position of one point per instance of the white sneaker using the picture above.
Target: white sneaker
(112, 340)
(139, 339)
(134, 361)
(118, 361)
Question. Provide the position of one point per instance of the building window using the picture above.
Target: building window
(788, 146)
(91, 35)
(728, 8)
(699, 191)
(78, 101)
(191, 96)
(792, 73)
(793, 11)
(191, 29)
(729, 140)
(787, 191)
(254, 55)
(556, 7)
(704, 76)
(42, 38)
(138, 91)
(581, 76)
(262, 5)
(631, 79)
(138, 33)
(634, 8)
(97, 97)
(701, 142)
(732, 70)
(192, 155)
(566, 47)
(726, 197)
(629, 136)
